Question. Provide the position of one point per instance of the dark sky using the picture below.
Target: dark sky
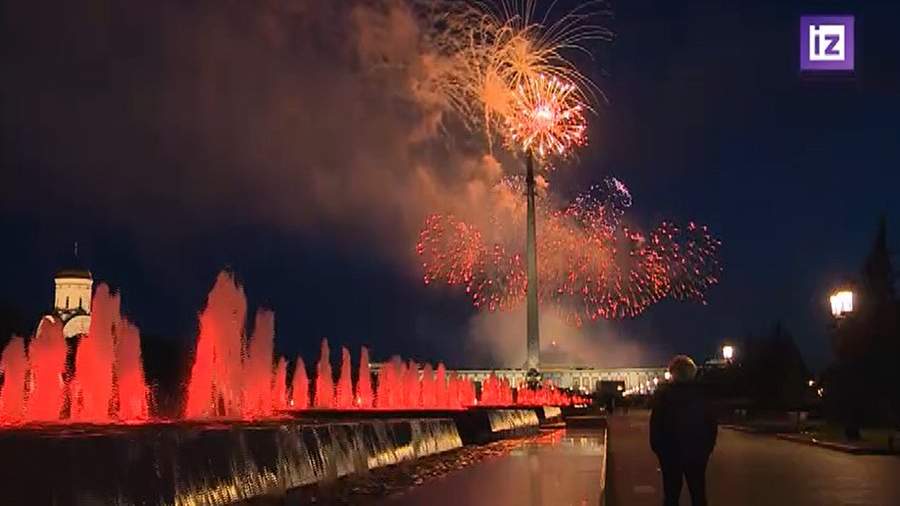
(176, 139)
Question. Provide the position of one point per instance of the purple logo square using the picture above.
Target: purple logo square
(826, 43)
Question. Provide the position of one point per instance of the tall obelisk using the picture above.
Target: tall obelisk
(534, 340)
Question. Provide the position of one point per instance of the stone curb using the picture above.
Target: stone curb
(742, 428)
(828, 445)
(831, 445)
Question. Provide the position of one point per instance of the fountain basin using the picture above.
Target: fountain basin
(203, 463)
(475, 425)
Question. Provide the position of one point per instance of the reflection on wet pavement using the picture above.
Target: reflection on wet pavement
(560, 469)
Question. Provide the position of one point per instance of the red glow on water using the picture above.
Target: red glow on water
(547, 395)
(279, 388)
(214, 385)
(412, 387)
(496, 392)
(428, 398)
(299, 386)
(258, 399)
(233, 376)
(440, 387)
(343, 398)
(108, 385)
(14, 365)
(93, 382)
(324, 398)
(365, 398)
(131, 385)
(47, 353)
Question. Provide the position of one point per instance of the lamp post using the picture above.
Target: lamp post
(728, 353)
(841, 303)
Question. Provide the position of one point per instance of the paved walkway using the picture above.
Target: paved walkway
(749, 469)
(565, 472)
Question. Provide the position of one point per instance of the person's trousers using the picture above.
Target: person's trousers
(693, 471)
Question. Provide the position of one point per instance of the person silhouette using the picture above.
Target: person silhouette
(683, 432)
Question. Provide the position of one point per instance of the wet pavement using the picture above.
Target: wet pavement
(560, 471)
(750, 469)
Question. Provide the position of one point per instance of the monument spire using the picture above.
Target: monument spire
(533, 330)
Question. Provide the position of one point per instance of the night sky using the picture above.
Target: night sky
(173, 140)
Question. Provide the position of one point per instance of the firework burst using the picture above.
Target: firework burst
(501, 50)
(546, 117)
(590, 266)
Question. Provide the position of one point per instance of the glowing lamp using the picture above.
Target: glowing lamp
(841, 303)
(668, 376)
(728, 352)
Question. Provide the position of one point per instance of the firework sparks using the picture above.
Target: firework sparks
(503, 58)
(546, 117)
(590, 266)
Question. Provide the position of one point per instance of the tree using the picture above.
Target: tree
(867, 343)
(775, 374)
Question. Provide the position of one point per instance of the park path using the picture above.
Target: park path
(561, 472)
(749, 469)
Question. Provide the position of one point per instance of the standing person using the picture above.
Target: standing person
(682, 432)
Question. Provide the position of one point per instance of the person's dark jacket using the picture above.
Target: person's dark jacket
(683, 423)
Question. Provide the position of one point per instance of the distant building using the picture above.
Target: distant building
(586, 379)
(635, 380)
(72, 300)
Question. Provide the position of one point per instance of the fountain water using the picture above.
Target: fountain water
(324, 397)
(388, 380)
(131, 389)
(344, 392)
(214, 387)
(232, 376)
(47, 353)
(279, 388)
(428, 398)
(258, 400)
(14, 365)
(299, 386)
(412, 386)
(108, 383)
(496, 392)
(92, 386)
(440, 389)
(364, 396)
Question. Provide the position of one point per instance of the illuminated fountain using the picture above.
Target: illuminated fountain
(365, 397)
(324, 397)
(299, 386)
(108, 385)
(48, 361)
(343, 398)
(232, 376)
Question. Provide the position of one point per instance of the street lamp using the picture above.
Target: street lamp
(728, 352)
(841, 303)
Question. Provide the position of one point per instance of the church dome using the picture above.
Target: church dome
(74, 273)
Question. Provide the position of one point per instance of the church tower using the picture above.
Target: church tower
(72, 299)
